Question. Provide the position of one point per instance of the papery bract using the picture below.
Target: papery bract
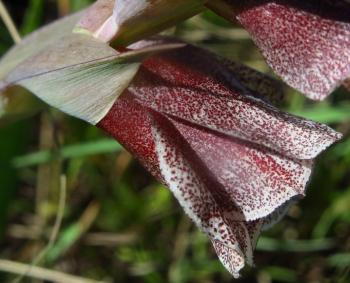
(16, 102)
(67, 70)
(307, 43)
(229, 158)
(37, 41)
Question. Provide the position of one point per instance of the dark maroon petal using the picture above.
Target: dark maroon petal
(261, 85)
(130, 124)
(307, 43)
(230, 73)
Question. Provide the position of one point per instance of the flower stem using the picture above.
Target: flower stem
(5, 16)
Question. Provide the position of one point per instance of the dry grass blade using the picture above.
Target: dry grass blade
(42, 273)
(9, 23)
(54, 233)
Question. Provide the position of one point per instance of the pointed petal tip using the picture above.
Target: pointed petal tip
(311, 139)
(330, 137)
(322, 94)
(232, 259)
(266, 211)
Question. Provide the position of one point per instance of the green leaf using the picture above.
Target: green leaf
(67, 152)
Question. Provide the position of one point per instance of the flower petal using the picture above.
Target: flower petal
(307, 43)
(260, 85)
(257, 180)
(160, 147)
(193, 85)
(228, 185)
(16, 103)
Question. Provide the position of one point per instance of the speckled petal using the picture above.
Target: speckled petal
(230, 73)
(161, 148)
(261, 85)
(257, 180)
(307, 43)
(229, 158)
(194, 86)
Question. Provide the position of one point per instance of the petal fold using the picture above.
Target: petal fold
(192, 122)
(153, 138)
(195, 86)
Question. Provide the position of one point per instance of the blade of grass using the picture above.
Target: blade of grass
(341, 260)
(33, 16)
(54, 233)
(42, 273)
(67, 152)
(337, 210)
(63, 7)
(282, 274)
(12, 143)
(73, 233)
(9, 23)
(273, 245)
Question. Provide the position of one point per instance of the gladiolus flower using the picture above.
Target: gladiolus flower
(307, 43)
(228, 157)
(200, 124)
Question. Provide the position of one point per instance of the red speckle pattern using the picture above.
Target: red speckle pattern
(196, 85)
(307, 43)
(228, 157)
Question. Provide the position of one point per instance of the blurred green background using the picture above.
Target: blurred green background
(120, 225)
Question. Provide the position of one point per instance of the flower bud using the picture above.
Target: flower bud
(126, 21)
